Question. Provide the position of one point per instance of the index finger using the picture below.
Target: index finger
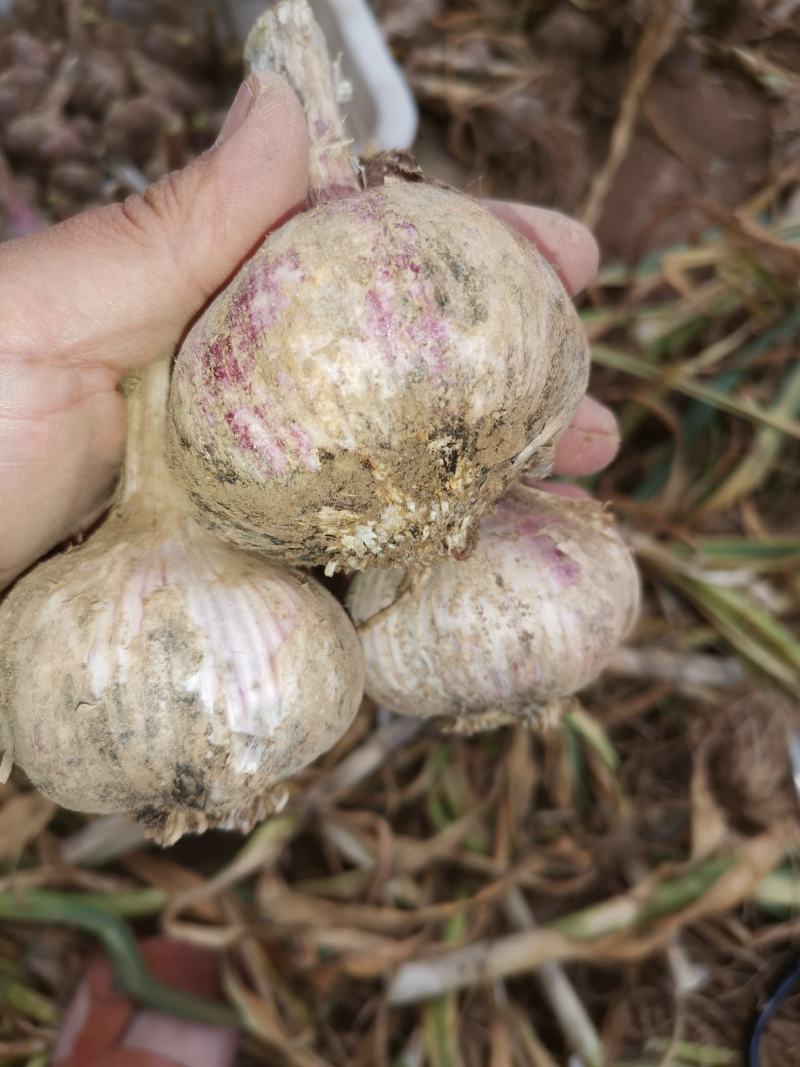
(565, 243)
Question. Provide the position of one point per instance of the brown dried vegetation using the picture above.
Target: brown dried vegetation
(648, 844)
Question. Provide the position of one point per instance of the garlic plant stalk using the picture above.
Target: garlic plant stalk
(155, 671)
(383, 367)
(287, 40)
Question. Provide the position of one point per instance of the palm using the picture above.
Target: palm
(61, 431)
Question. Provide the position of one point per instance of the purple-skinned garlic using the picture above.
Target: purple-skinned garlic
(46, 134)
(156, 671)
(381, 370)
(533, 615)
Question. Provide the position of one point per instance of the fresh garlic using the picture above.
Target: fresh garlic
(531, 617)
(381, 370)
(156, 671)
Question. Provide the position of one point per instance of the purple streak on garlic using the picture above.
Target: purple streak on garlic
(362, 412)
(380, 371)
(156, 671)
(547, 595)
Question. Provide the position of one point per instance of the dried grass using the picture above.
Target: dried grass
(621, 885)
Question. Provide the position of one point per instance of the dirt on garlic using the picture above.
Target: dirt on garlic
(156, 671)
(373, 379)
(531, 617)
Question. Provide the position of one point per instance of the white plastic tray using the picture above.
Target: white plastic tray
(382, 113)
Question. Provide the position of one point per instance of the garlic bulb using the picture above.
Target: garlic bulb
(532, 616)
(156, 671)
(381, 369)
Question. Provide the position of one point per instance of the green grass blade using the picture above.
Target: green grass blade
(673, 379)
(63, 909)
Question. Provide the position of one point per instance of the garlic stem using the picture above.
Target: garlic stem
(573, 1019)
(145, 449)
(287, 40)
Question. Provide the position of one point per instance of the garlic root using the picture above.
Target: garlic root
(155, 671)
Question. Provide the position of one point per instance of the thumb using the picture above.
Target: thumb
(117, 285)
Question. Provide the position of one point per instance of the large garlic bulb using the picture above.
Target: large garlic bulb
(381, 369)
(156, 671)
(532, 616)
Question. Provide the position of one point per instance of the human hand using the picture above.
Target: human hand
(110, 290)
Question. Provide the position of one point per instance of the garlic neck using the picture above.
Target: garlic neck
(145, 470)
(288, 41)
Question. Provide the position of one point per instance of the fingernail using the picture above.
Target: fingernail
(567, 489)
(538, 219)
(239, 109)
(595, 419)
(564, 242)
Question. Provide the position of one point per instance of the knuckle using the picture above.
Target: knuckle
(159, 221)
(153, 215)
(165, 203)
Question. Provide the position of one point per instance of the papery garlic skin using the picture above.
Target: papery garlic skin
(532, 616)
(175, 679)
(158, 672)
(373, 379)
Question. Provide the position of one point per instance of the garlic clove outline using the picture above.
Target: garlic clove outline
(156, 671)
(532, 616)
(381, 370)
(373, 379)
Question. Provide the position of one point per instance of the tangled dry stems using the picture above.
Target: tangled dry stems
(646, 846)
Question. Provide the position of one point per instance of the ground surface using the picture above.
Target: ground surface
(663, 803)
